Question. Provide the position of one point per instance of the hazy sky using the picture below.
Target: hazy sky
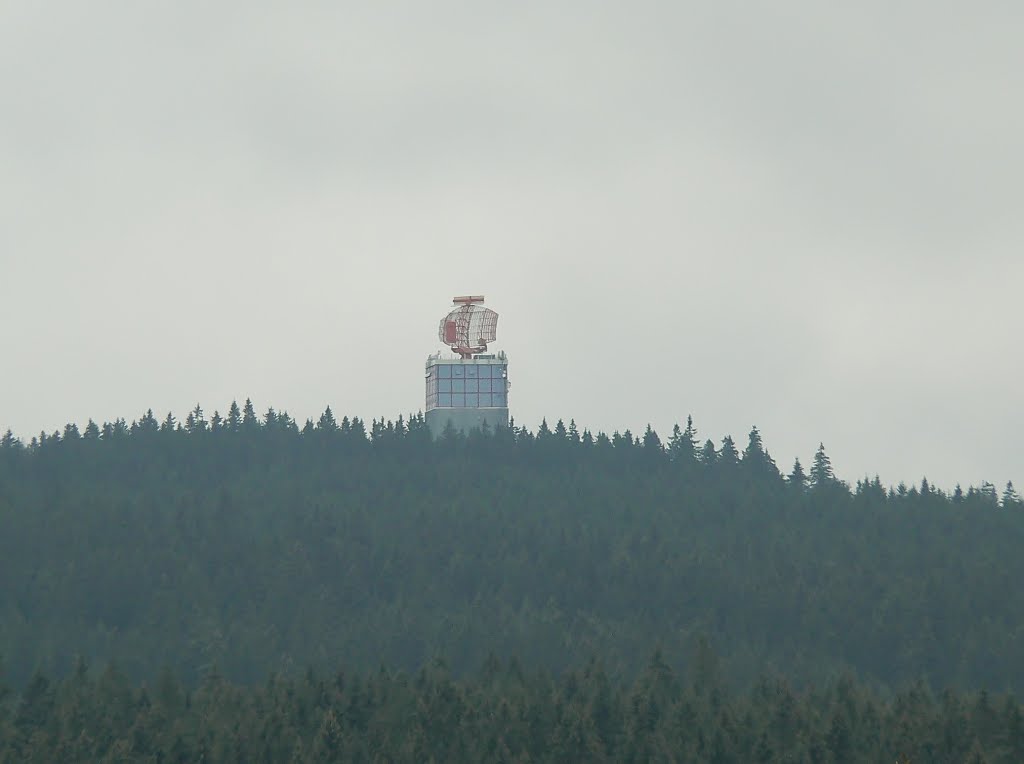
(801, 215)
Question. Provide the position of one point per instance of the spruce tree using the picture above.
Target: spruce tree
(250, 422)
(574, 433)
(821, 471)
(1010, 500)
(148, 423)
(728, 456)
(683, 445)
(755, 458)
(234, 420)
(797, 477)
(651, 442)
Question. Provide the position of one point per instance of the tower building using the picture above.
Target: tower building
(468, 390)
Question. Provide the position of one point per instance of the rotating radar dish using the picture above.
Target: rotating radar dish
(469, 327)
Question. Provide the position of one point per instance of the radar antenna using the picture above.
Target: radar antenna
(469, 327)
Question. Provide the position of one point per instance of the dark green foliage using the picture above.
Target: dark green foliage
(249, 546)
(821, 471)
(797, 478)
(500, 714)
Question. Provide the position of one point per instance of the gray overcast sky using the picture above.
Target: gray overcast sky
(800, 215)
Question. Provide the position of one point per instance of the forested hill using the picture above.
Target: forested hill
(257, 546)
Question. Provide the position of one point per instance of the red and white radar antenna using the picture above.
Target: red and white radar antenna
(469, 327)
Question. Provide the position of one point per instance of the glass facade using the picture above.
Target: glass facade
(458, 385)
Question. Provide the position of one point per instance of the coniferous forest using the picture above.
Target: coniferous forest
(245, 588)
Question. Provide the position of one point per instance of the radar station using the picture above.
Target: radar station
(469, 389)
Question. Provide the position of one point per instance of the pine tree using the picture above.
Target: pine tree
(728, 456)
(195, 422)
(756, 458)
(708, 455)
(988, 494)
(652, 443)
(821, 471)
(797, 478)
(755, 445)
(1010, 500)
(285, 422)
(234, 420)
(91, 432)
(358, 429)
(683, 445)
(250, 422)
(574, 433)
(147, 424)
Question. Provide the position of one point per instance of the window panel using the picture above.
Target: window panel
(458, 371)
(472, 400)
(500, 399)
(444, 385)
(485, 385)
(472, 385)
(444, 372)
(485, 400)
(458, 385)
(458, 400)
(472, 372)
(444, 399)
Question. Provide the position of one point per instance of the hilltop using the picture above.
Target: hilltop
(257, 546)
